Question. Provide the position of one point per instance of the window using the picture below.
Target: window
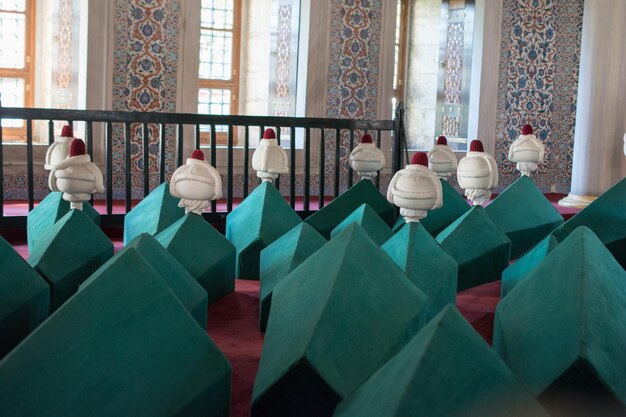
(16, 61)
(399, 53)
(220, 24)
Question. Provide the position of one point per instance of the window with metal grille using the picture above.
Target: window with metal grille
(220, 22)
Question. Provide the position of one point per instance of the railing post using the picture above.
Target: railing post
(398, 139)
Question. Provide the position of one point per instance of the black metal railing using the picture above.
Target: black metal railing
(327, 130)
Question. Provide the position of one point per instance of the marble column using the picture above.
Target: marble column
(599, 160)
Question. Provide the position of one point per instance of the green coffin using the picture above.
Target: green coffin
(606, 216)
(563, 327)
(24, 298)
(122, 346)
(48, 212)
(156, 212)
(280, 258)
(68, 253)
(454, 206)
(369, 220)
(446, 370)
(260, 219)
(426, 264)
(335, 320)
(479, 246)
(203, 252)
(516, 272)
(524, 214)
(363, 192)
(190, 293)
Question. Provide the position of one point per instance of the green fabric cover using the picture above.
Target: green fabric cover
(606, 216)
(122, 346)
(454, 206)
(569, 309)
(260, 219)
(280, 258)
(24, 298)
(479, 246)
(48, 212)
(156, 212)
(369, 220)
(516, 272)
(183, 285)
(335, 320)
(524, 214)
(446, 370)
(203, 252)
(426, 264)
(68, 253)
(364, 191)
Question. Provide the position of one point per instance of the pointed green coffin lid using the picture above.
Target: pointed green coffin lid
(446, 370)
(478, 245)
(122, 346)
(524, 214)
(203, 252)
(516, 272)
(364, 191)
(335, 320)
(606, 217)
(48, 212)
(24, 298)
(369, 220)
(426, 264)
(68, 253)
(182, 284)
(260, 219)
(454, 206)
(569, 309)
(280, 258)
(156, 212)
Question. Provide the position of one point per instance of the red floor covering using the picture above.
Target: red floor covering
(233, 324)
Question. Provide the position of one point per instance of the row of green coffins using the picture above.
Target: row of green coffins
(126, 343)
(196, 260)
(473, 239)
(561, 328)
(473, 236)
(341, 335)
(560, 324)
(264, 216)
(476, 212)
(481, 240)
(566, 347)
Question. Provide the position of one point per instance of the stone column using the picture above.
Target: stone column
(599, 160)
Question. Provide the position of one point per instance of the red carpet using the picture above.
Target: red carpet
(233, 324)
